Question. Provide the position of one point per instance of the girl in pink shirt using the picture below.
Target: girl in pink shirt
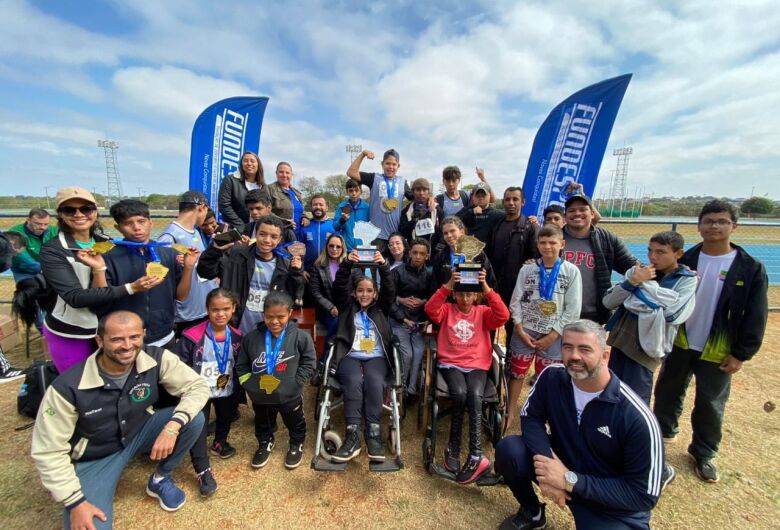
(464, 357)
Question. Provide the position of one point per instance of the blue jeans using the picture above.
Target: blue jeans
(411, 344)
(100, 477)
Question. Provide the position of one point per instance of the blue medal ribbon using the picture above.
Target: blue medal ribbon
(137, 247)
(222, 357)
(547, 281)
(272, 354)
(390, 189)
(356, 205)
(366, 324)
(279, 250)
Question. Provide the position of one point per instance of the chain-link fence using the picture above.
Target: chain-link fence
(760, 239)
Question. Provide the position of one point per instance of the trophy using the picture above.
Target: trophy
(366, 232)
(469, 247)
(297, 249)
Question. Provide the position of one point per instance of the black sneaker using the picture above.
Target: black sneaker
(532, 379)
(11, 374)
(452, 460)
(207, 483)
(667, 476)
(262, 454)
(376, 450)
(294, 456)
(475, 467)
(525, 521)
(705, 469)
(351, 446)
(223, 449)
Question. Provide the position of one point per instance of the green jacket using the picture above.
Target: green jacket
(34, 242)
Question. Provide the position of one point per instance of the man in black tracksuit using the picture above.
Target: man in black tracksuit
(604, 455)
(726, 329)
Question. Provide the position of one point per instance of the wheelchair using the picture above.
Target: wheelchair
(329, 399)
(432, 408)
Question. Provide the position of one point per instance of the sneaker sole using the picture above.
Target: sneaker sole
(209, 494)
(669, 479)
(162, 504)
(670, 439)
(293, 466)
(260, 465)
(377, 458)
(342, 459)
(477, 474)
(223, 457)
(696, 470)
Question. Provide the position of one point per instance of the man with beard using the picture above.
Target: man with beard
(316, 232)
(95, 418)
(604, 455)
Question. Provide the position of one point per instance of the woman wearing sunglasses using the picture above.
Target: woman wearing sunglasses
(76, 278)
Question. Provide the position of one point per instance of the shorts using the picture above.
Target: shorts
(522, 355)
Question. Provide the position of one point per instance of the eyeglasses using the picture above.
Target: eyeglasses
(720, 223)
(335, 246)
(70, 211)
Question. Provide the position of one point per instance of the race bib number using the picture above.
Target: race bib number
(256, 300)
(424, 227)
(210, 371)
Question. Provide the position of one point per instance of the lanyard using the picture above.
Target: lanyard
(547, 281)
(356, 205)
(137, 247)
(272, 354)
(222, 358)
(456, 259)
(390, 189)
(366, 323)
(280, 251)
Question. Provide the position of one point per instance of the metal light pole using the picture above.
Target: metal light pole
(354, 150)
(46, 191)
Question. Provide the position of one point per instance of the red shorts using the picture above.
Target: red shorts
(521, 362)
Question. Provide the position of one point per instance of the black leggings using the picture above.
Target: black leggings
(292, 416)
(466, 389)
(224, 409)
(363, 385)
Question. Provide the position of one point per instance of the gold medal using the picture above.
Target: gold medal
(222, 381)
(367, 345)
(547, 307)
(158, 270)
(390, 204)
(101, 247)
(183, 249)
(268, 383)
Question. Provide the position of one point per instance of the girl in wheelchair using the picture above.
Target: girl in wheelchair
(464, 357)
(363, 350)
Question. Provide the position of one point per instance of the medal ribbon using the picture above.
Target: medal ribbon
(366, 323)
(390, 189)
(272, 354)
(547, 281)
(137, 247)
(356, 205)
(279, 250)
(222, 358)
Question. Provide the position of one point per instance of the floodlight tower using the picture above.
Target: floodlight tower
(621, 176)
(354, 150)
(112, 171)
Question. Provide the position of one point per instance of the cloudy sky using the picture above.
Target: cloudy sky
(443, 82)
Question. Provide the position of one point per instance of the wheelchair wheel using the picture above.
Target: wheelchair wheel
(391, 440)
(318, 395)
(331, 442)
(425, 395)
(427, 454)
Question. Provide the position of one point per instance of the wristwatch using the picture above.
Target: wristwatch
(571, 480)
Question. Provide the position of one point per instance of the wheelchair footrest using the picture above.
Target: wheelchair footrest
(320, 464)
(389, 465)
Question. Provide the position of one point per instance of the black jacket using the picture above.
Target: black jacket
(72, 303)
(481, 225)
(321, 288)
(232, 192)
(611, 255)
(740, 317)
(410, 281)
(235, 268)
(442, 270)
(406, 225)
(294, 366)
(508, 260)
(157, 307)
(343, 289)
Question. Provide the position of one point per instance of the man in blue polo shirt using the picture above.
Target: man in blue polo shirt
(604, 456)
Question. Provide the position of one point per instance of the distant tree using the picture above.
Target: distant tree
(308, 186)
(757, 205)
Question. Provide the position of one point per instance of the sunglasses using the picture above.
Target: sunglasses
(70, 211)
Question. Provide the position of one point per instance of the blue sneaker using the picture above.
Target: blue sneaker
(171, 497)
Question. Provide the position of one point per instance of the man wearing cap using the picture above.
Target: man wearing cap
(596, 252)
(421, 217)
(480, 218)
(193, 208)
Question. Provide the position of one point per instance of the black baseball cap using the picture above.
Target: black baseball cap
(581, 198)
(194, 197)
